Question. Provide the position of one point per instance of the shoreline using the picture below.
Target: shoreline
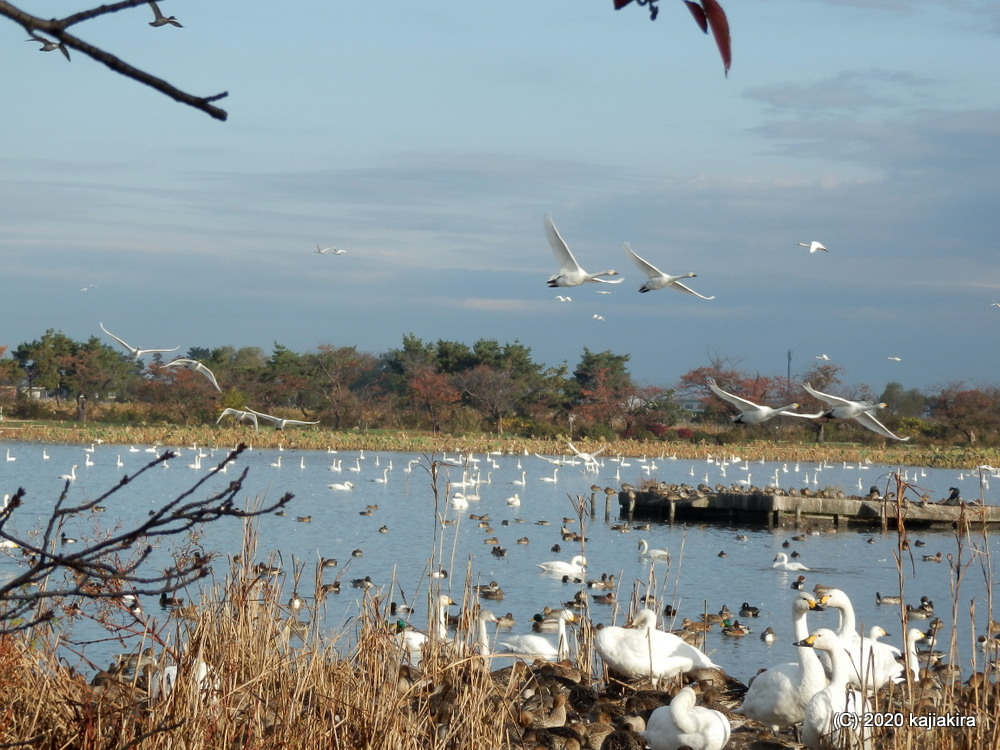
(940, 457)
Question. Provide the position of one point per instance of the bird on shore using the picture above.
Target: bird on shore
(135, 351)
(49, 46)
(751, 413)
(813, 246)
(859, 411)
(279, 422)
(684, 724)
(195, 366)
(656, 279)
(161, 20)
(570, 272)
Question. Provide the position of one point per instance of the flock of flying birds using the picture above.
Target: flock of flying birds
(48, 45)
(239, 415)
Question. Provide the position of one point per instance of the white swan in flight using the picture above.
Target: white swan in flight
(570, 273)
(135, 351)
(279, 423)
(659, 280)
(813, 246)
(161, 20)
(330, 250)
(859, 411)
(195, 366)
(751, 413)
(239, 415)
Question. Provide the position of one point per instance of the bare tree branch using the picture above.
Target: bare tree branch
(57, 29)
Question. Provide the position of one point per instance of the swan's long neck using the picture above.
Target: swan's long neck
(811, 667)
(562, 648)
(847, 630)
(680, 709)
(442, 620)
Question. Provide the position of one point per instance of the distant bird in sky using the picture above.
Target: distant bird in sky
(561, 298)
(279, 423)
(601, 291)
(161, 20)
(859, 411)
(87, 288)
(239, 415)
(598, 317)
(659, 280)
(570, 272)
(135, 351)
(330, 250)
(196, 366)
(895, 359)
(813, 246)
(823, 357)
(751, 413)
(996, 304)
(48, 45)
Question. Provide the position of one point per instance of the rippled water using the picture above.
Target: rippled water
(696, 580)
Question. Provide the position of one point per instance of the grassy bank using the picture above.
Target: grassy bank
(896, 454)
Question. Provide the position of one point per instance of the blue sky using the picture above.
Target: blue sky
(429, 139)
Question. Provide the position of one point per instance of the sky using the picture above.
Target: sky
(429, 140)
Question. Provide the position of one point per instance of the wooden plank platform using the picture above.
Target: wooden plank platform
(773, 510)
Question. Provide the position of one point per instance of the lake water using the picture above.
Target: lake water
(696, 580)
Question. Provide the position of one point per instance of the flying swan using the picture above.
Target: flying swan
(659, 280)
(859, 411)
(751, 413)
(570, 273)
(135, 351)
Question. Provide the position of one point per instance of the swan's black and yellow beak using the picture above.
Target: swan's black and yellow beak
(809, 642)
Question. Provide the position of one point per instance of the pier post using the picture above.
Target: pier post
(673, 506)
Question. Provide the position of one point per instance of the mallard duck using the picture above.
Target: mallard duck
(734, 628)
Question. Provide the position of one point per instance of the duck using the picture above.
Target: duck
(735, 629)
(769, 636)
(539, 646)
(780, 562)
(656, 279)
(799, 583)
(576, 567)
(879, 599)
(778, 696)
(642, 650)
(653, 554)
(932, 558)
(570, 272)
(751, 413)
(684, 724)
(819, 730)
(160, 20)
(490, 590)
(748, 611)
(859, 411)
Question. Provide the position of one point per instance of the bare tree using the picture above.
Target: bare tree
(95, 568)
(65, 41)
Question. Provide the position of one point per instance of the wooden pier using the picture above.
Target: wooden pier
(779, 510)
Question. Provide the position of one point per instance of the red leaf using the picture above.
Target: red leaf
(619, 4)
(699, 15)
(719, 24)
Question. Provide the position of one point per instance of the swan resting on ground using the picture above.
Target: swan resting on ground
(540, 646)
(684, 724)
(642, 650)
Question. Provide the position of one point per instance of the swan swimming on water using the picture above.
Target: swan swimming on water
(659, 280)
(575, 567)
(780, 562)
(570, 272)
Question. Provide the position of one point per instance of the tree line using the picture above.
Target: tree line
(449, 386)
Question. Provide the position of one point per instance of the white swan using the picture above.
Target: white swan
(912, 636)
(644, 651)
(342, 486)
(589, 459)
(751, 413)
(859, 411)
(872, 663)
(684, 724)
(514, 501)
(659, 280)
(570, 273)
(71, 477)
(239, 415)
(819, 731)
(279, 422)
(10, 457)
(553, 478)
(575, 567)
(195, 366)
(655, 554)
(778, 696)
(813, 246)
(458, 501)
(780, 562)
(540, 646)
(330, 250)
(413, 641)
(135, 351)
